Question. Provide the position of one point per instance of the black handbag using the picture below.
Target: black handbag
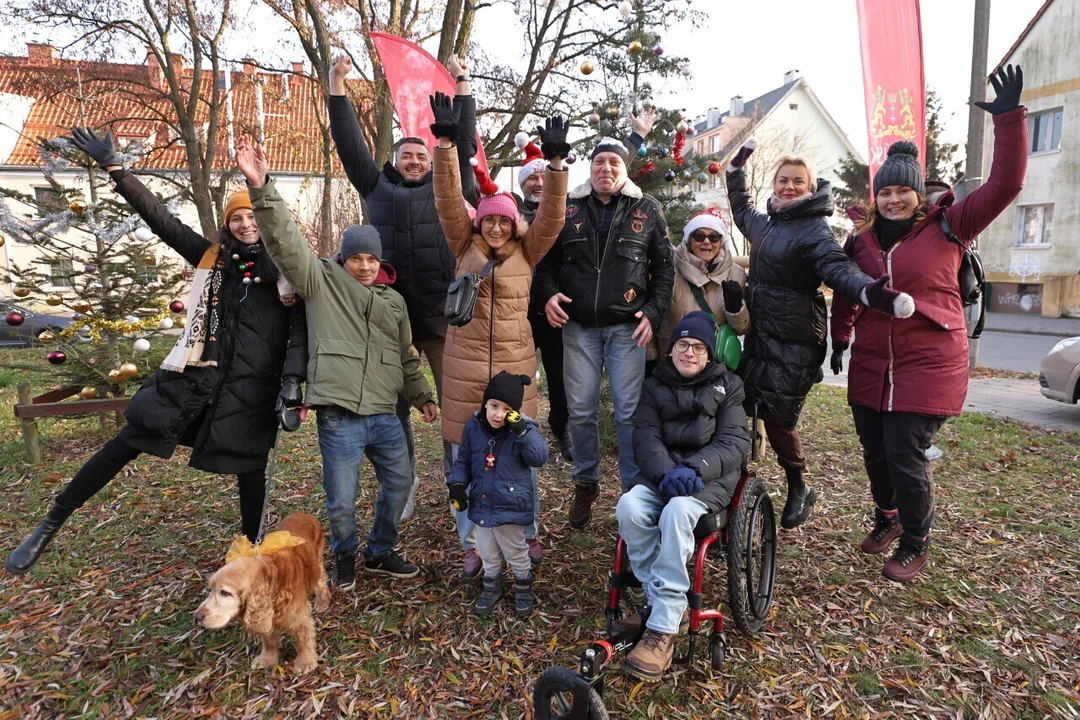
(462, 293)
(971, 278)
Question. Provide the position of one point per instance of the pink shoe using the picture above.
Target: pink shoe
(473, 564)
(536, 553)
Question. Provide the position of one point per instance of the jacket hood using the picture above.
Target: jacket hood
(397, 178)
(585, 189)
(666, 373)
(693, 269)
(817, 204)
(387, 274)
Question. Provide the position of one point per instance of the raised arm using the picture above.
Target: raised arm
(551, 213)
(752, 223)
(355, 157)
(449, 203)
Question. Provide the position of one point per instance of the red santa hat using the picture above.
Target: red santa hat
(534, 163)
(493, 201)
(710, 219)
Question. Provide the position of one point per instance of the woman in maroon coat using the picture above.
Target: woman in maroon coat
(907, 376)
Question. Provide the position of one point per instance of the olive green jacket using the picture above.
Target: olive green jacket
(359, 340)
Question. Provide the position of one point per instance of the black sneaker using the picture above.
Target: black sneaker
(345, 571)
(391, 564)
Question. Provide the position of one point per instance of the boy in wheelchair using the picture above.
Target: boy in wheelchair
(691, 442)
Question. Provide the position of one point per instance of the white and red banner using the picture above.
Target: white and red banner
(890, 36)
(413, 75)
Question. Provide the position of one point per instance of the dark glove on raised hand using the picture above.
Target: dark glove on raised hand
(1008, 84)
(553, 138)
(101, 150)
(459, 496)
(744, 153)
(836, 362)
(733, 295)
(516, 423)
(288, 402)
(887, 300)
(680, 481)
(447, 116)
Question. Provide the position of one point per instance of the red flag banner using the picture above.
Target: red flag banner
(413, 75)
(890, 35)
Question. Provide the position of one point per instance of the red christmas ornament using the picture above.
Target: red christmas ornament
(15, 319)
(714, 168)
(176, 306)
(677, 148)
(56, 357)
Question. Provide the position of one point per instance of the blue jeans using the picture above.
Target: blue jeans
(343, 439)
(587, 351)
(659, 537)
(466, 528)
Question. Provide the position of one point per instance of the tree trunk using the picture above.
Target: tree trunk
(464, 33)
(451, 18)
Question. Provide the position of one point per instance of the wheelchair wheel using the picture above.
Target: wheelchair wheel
(751, 561)
(716, 653)
(553, 696)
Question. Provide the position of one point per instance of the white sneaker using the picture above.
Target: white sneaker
(410, 504)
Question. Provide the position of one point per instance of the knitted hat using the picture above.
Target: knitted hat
(237, 201)
(610, 144)
(360, 239)
(534, 163)
(507, 388)
(493, 201)
(901, 167)
(710, 219)
(697, 325)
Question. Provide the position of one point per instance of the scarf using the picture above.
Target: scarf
(197, 345)
(889, 231)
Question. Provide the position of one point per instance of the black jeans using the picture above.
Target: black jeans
(548, 341)
(894, 450)
(107, 462)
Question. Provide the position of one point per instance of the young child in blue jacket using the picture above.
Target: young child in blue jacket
(492, 478)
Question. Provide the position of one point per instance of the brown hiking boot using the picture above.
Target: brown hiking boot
(651, 656)
(581, 506)
(886, 529)
(907, 561)
(633, 622)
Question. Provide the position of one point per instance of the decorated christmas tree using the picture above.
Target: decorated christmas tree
(95, 259)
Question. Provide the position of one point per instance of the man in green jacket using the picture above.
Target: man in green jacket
(360, 359)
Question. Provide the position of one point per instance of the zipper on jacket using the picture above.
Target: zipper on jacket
(892, 324)
(491, 327)
(600, 265)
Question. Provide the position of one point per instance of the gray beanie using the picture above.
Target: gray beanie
(611, 145)
(360, 239)
(901, 167)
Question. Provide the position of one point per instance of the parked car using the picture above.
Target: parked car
(1059, 375)
(33, 325)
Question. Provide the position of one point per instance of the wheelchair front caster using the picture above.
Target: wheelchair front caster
(562, 694)
(716, 650)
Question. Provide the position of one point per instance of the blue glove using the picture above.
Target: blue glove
(680, 481)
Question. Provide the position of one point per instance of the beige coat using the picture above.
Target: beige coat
(499, 336)
(691, 270)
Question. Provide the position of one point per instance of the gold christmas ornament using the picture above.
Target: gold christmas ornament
(115, 376)
(77, 206)
(21, 292)
(634, 48)
(149, 261)
(81, 306)
(46, 336)
(128, 369)
(586, 68)
(2, 241)
(53, 299)
(88, 393)
(613, 111)
(181, 321)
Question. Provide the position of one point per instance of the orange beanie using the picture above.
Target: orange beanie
(237, 201)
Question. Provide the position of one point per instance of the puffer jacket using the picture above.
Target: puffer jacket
(502, 494)
(499, 336)
(791, 253)
(920, 364)
(698, 422)
(403, 211)
(690, 270)
(225, 414)
(635, 273)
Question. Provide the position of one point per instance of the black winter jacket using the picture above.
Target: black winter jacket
(403, 211)
(698, 422)
(636, 273)
(224, 413)
(791, 253)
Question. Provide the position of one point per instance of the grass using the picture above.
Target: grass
(101, 627)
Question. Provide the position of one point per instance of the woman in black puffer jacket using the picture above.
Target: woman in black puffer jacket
(217, 390)
(792, 251)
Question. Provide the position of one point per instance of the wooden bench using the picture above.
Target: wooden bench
(51, 404)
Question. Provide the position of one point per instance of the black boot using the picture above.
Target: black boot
(523, 596)
(489, 596)
(26, 555)
(800, 499)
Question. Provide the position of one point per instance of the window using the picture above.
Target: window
(714, 143)
(60, 272)
(48, 202)
(793, 106)
(1033, 225)
(148, 273)
(1044, 131)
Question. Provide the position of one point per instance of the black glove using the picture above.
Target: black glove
(553, 138)
(1007, 85)
(459, 496)
(516, 423)
(836, 362)
(289, 401)
(101, 150)
(733, 295)
(447, 115)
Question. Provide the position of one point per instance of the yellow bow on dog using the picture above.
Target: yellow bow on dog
(272, 543)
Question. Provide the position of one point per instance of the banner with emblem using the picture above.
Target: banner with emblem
(890, 36)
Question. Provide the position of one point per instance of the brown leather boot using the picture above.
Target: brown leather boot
(886, 529)
(908, 560)
(581, 506)
(651, 656)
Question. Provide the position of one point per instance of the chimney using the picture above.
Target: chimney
(298, 68)
(176, 60)
(154, 75)
(736, 106)
(40, 54)
(713, 117)
(791, 76)
(249, 65)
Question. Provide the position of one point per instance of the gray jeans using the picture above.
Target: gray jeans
(503, 542)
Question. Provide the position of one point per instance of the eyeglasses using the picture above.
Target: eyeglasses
(700, 237)
(684, 345)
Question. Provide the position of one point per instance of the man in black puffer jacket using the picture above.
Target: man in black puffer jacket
(691, 442)
(401, 205)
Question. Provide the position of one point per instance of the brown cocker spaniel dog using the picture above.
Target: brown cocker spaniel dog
(270, 594)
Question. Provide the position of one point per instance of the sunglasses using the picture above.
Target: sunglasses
(700, 237)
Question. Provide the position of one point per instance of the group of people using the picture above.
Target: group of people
(589, 276)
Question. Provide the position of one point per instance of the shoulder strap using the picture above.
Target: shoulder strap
(488, 267)
(699, 296)
(947, 230)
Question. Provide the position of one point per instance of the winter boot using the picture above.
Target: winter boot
(581, 506)
(886, 529)
(26, 555)
(908, 560)
(651, 656)
(800, 499)
(489, 596)
(523, 596)
(563, 441)
(536, 553)
(345, 571)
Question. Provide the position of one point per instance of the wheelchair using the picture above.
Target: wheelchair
(744, 534)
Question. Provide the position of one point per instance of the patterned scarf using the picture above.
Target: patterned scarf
(197, 345)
